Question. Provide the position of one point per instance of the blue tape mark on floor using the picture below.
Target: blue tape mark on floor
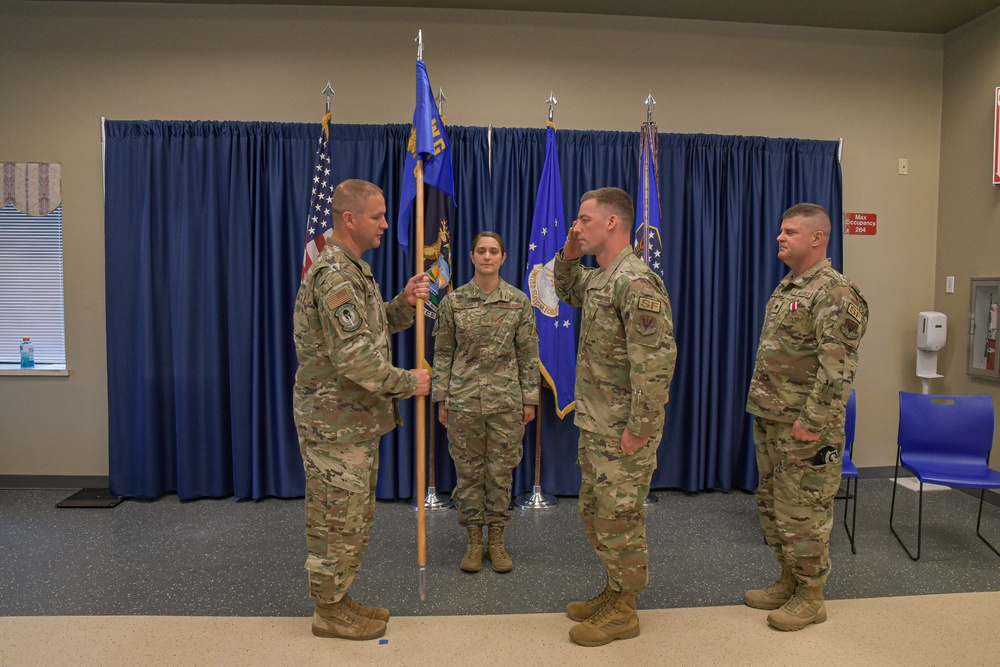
(383, 641)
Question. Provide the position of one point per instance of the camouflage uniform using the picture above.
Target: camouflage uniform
(485, 371)
(624, 367)
(805, 367)
(345, 398)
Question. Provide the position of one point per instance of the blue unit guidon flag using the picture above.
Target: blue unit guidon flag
(556, 333)
(429, 142)
(648, 245)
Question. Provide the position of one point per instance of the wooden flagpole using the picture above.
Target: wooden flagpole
(421, 400)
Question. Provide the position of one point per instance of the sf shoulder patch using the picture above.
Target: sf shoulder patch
(652, 304)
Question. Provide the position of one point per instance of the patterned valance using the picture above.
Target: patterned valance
(32, 187)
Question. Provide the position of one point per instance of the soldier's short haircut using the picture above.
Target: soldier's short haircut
(814, 213)
(492, 235)
(617, 201)
(352, 195)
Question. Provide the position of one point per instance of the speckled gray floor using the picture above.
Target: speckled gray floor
(229, 558)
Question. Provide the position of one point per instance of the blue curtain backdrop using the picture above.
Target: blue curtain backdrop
(721, 199)
(203, 240)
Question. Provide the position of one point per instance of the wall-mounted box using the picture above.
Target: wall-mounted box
(983, 299)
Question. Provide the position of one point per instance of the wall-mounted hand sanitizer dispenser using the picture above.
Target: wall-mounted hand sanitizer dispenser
(931, 334)
(932, 331)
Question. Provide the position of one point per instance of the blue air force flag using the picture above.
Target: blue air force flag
(556, 334)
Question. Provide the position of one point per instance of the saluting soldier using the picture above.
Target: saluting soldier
(345, 398)
(486, 382)
(624, 367)
(805, 367)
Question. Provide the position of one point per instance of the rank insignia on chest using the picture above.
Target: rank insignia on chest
(347, 316)
(645, 324)
(649, 303)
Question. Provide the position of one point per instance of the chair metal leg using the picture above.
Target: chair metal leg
(979, 519)
(920, 514)
(854, 520)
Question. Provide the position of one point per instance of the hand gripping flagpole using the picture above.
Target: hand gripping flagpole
(433, 500)
(536, 500)
(421, 403)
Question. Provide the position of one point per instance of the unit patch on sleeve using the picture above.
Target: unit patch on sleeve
(347, 316)
(645, 324)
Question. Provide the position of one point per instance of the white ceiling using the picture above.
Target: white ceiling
(924, 16)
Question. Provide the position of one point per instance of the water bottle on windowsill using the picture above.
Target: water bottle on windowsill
(27, 353)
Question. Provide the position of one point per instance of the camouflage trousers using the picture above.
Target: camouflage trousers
(340, 511)
(798, 482)
(612, 493)
(485, 448)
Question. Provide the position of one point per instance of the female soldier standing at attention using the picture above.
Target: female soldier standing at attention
(486, 383)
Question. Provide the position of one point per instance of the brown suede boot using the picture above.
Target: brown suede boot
(805, 607)
(774, 595)
(378, 613)
(473, 561)
(617, 619)
(580, 611)
(499, 559)
(342, 621)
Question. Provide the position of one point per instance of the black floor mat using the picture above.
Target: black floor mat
(91, 498)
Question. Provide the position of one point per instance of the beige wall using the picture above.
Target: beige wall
(968, 234)
(968, 237)
(65, 65)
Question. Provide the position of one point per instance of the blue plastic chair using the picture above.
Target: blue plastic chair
(850, 470)
(945, 440)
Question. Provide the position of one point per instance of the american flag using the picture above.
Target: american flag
(648, 244)
(319, 223)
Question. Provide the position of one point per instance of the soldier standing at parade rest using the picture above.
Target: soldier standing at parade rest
(805, 367)
(345, 397)
(624, 367)
(486, 382)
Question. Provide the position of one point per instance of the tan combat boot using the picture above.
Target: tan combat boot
(378, 613)
(342, 621)
(617, 619)
(774, 595)
(499, 559)
(473, 561)
(580, 611)
(805, 607)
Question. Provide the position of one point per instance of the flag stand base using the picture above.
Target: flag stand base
(536, 500)
(434, 501)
